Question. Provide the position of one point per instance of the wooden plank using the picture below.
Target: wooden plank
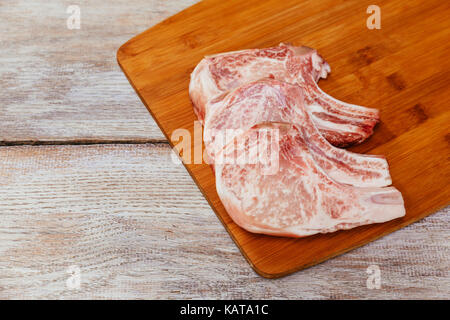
(408, 82)
(60, 84)
(137, 227)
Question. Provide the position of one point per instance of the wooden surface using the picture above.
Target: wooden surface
(64, 205)
(390, 67)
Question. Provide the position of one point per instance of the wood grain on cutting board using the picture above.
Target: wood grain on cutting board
(401, 69)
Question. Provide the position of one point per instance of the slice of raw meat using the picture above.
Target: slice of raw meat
(341, 123)
(269, 100)
(299, 198)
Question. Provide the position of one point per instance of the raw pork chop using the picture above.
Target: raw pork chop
(342, 124)
(269, 100)
(299, 199)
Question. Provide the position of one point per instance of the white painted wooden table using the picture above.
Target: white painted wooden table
(86, 182)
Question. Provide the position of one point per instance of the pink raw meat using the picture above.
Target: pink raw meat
(269, 100)
(298, 198)
(342, 124)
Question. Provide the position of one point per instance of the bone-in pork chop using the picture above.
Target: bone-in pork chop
(299, 198)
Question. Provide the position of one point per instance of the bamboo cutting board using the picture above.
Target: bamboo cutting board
(401, 69)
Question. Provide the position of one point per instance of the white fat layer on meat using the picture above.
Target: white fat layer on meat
(320, 65)
(203, 81)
